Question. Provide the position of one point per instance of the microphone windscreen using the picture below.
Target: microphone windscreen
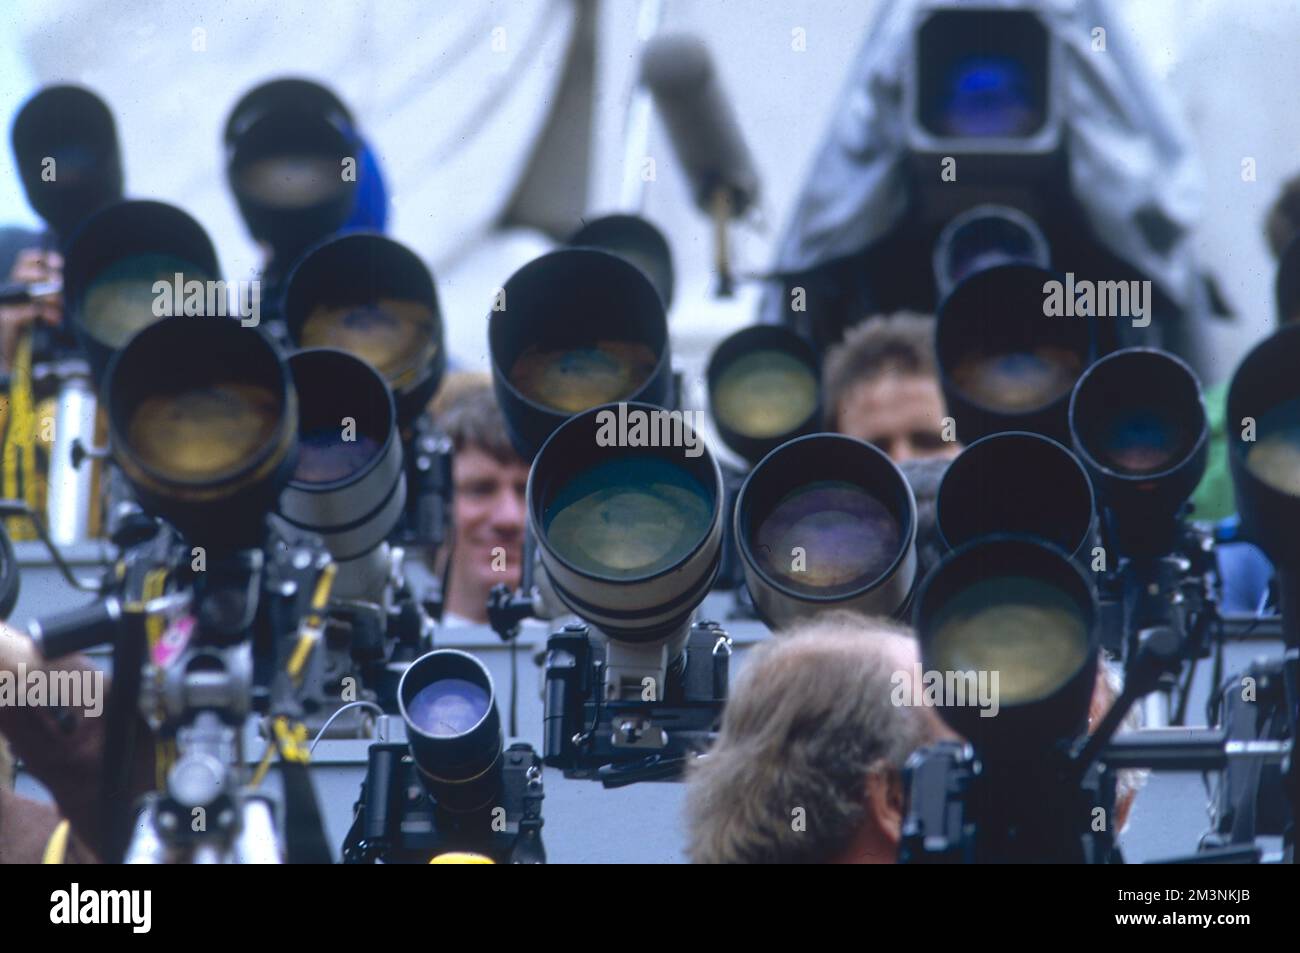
(679, 72)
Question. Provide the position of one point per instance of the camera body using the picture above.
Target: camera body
(620, 740)
(398, 821)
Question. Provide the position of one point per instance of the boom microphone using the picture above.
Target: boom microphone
(679, 72)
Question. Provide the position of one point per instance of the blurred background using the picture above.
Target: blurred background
(500, 125)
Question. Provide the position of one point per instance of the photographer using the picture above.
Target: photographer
(808, 765)
(62, 747)
(882, 386)
(490, 481)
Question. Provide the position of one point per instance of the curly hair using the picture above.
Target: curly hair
(902, 342)
(809, 720)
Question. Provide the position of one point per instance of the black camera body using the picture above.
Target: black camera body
(620, 741)
(959, 812)
(398, 821)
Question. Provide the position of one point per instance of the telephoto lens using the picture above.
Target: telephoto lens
(633, 238)
(1138, 426)
(1020, 483)
(372, 297)
(1018, 617)
(1003, 364)
(203, 421)
(291, 92)
(66, 151)
(348, 487)
(826, 521)
(288, 171)
(1264, 444)
(572, 330)
(449, 704)
(764, 389)
(629, 532)
(114, 263)
(984, 237)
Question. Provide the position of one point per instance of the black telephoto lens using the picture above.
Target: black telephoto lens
(374, 298)
(448, 702)
(1264, 444)
(1016, 482)
(66, 151)
(1138, 425)
(113, 264)
(764, 389)
(572, 330)
(1019, 614)
(635, 239)
(1004, 364)
(203, 421)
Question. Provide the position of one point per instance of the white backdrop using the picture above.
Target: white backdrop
(454, 119)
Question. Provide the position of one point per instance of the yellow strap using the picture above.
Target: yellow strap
(19, 473)
(292, 741)
(155, 580)
(56, 848)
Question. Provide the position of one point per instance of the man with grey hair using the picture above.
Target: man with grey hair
(808, 765)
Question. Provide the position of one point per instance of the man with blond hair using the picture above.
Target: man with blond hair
(808, 765)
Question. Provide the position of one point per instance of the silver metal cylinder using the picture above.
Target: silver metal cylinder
(71, 487)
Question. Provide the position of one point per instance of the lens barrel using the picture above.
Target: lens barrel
(112, 264)
(74, 128)
(629, 536)
(449, 704)
(348, 487)
(1016, 482)
(576, 328)
(1138, 425)
(633, 238)
(1021, 608)
(764, 389)
(373, 297)
(1004, 364)
(286, 171)
(826, 521)
(203, 421)
(1264, 444)
(984, 237)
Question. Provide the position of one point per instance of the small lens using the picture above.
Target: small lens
(1026, 630)
(205, 431)
(121, 299)
(765, 394)
(1018, 381)
(572, 379)
(827, 538)
(448, 707)
(396, 337)
(628, 517)
(1275, 456)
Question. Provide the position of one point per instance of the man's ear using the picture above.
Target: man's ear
(885, 800)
